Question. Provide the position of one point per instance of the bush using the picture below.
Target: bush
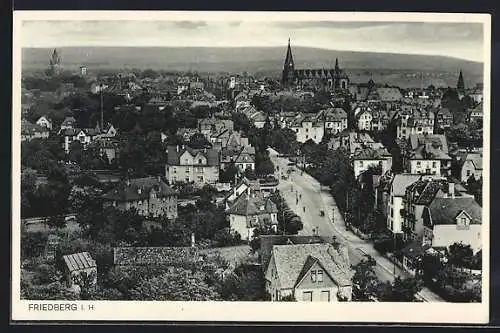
(45, 273)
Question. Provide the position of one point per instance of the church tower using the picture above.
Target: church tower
(288, 68)
(460, 82)
(55, 63)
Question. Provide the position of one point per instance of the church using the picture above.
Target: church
(317, 79)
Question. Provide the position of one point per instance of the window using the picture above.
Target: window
(313, 276)
(418, 164)
(200, 161)
(325, 296)
(392, 214)
(320, 276)
(307, 296)
(392, 200)
(463, 221)
(186, 161)
(187, 169)
(361, 163)
(307, 136)
(468, 173)
(434, 164)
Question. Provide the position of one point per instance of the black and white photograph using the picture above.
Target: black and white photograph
(269, 160)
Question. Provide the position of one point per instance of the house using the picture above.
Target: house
(417, 121)
(397, 189)
(78, 264)
(31, 131)
(427, 154)
(44, 122)
(207, 126)
(451, 220)
(268, 241)
(420, 195)
(185, 164)
(335, 120)
(309, 273)
(476, 114)
(84, 136)
(252, 210)
(363, 119)
(470, 164)
(353, 141)
(368, 157)
(380, 120)
(245, 159)
(150, 196)
(443, 118)
(68, 123)
(258, 118)
(308, 128)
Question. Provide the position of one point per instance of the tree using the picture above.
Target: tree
(263, 164)
(177, 284)
(401, 290)
(460, 255)
(58, 222)
(245, 284)
(228, 175)
(365, 282)
(86, 282)
(199, 141)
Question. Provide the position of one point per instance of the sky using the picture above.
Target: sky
(459, 40)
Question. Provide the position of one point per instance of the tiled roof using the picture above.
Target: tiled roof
(401, 181)
(371, 154)
(212, 155)
(476, 159)
(139, 189)
(445, 210)
(79, 261)
(146, 256)
(432, 146)
(389, 94)
(334, 114)
(255, 204)
(268, 241)
(290, 261)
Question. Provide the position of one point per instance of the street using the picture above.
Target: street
(311, 197)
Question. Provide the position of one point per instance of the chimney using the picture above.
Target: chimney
(451, 189)
(193, 241)
(177, 148)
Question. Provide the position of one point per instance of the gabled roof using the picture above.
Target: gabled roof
(175, 152)
(445, 210)
(268, 241)
(401, 181)
(389, 94)
(371, 154)
(250, 205)
(476, 159)
(79, 261)
(291, 259)
(130, 192)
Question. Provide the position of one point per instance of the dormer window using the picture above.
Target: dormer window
(200, 161)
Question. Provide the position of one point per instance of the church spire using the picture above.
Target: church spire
(460, 82)
(289, 57)
(337, 64)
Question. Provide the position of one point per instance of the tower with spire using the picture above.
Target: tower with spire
(54, 63)
(460, 82)
(288, 68)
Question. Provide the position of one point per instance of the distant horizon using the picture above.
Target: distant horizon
(461, 40)
(247, 46)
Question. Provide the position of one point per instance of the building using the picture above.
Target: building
(460, 83)
(380, 120)
(84, 136)
(427, 154)
(309, 273)
(198, 166)
(250, 211)
(78, 264)
(68, 122)
(55, 63)
(420, 195)
(83, 70)
(268, 241)
(318, 79)
(443, 118)
(308, 128)
(450, 220)
(415, 122)
(150, 196)
(368, 157)
(335, 120)
(469, 164)
(476, 114)
(44, 122)
(31, 131)
(208, 126)
(353, 141)
(395, 206)
(363, 119)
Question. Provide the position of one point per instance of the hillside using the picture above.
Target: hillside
(251, 59)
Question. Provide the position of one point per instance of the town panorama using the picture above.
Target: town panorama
(307, 185)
